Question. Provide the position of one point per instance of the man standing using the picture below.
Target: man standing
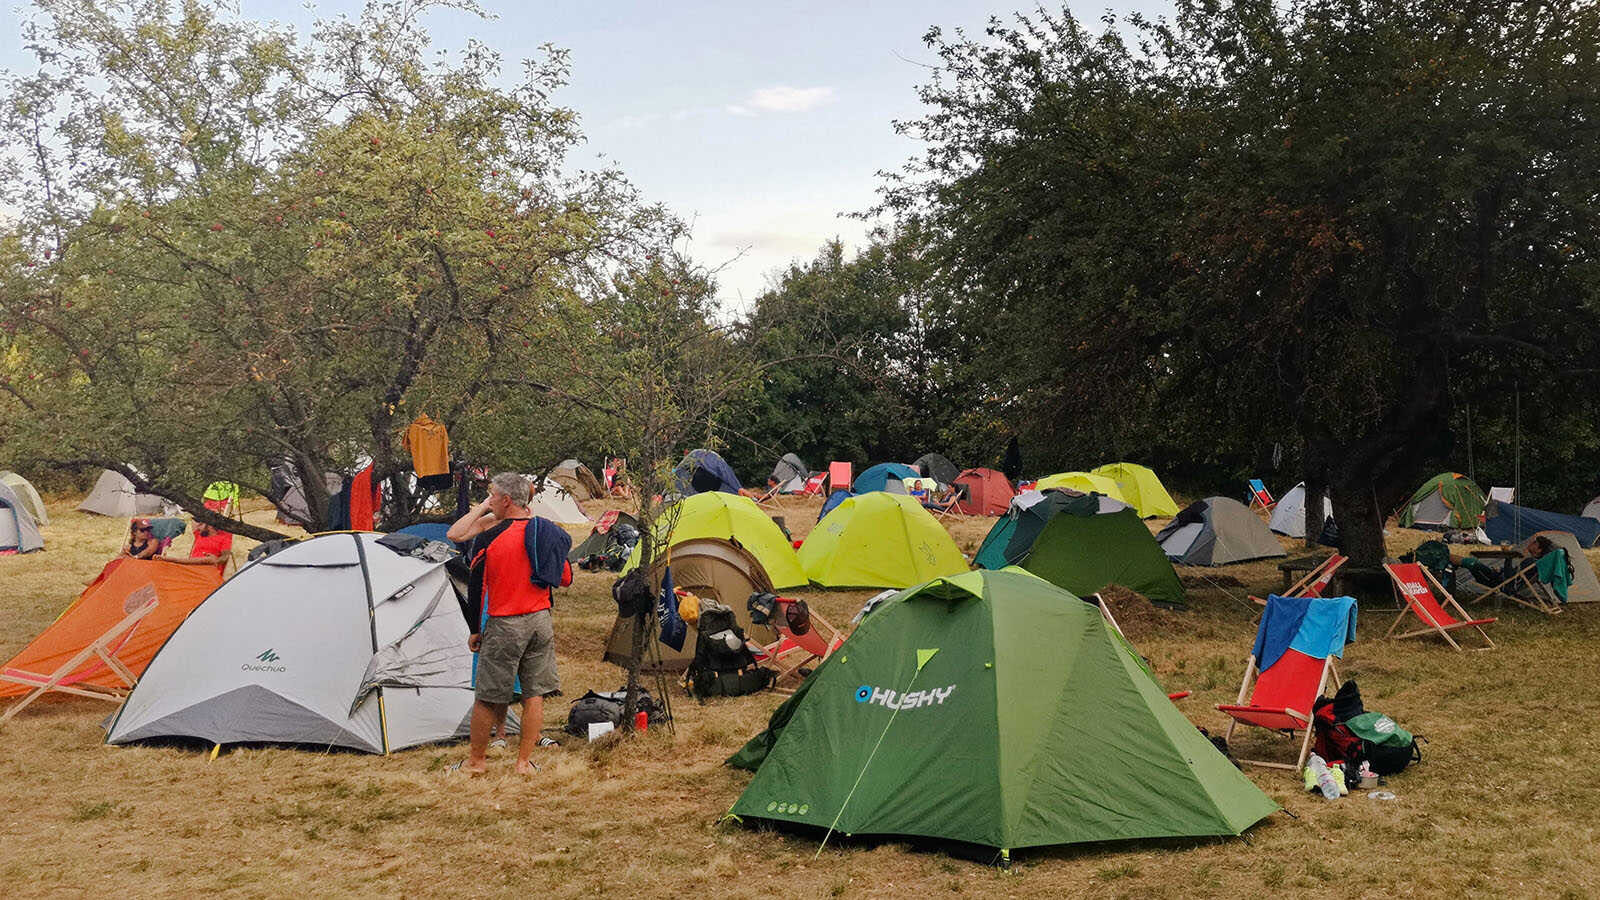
(509, 594)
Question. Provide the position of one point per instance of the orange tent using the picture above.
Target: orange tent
(179, 589)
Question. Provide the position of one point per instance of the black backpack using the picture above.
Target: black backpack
(717, 669)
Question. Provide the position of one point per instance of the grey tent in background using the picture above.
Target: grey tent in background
(1585, 587)
(18, 532)
(27, 496)
(935, 466)
(790, 473)
(1289, 516)
(334, 641)
(578, 480)
(1592, 511)
(289, 496)
(1216, 531)
(113, 495)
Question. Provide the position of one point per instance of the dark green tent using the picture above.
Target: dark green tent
(1013, 534)
(1085, 551)
(995, 709)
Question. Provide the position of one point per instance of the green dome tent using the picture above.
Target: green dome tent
(1447, 500)
(1083, 551)
(994, 709)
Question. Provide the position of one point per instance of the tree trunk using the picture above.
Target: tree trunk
(1360, 522)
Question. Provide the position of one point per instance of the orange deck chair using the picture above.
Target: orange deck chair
(1281, 697)
(1419, 594)
(1315, 581)
(101, 644)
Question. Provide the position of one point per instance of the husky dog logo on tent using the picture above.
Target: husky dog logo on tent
(335, 641)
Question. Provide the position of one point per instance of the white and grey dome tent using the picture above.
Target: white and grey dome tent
(114, 495)
(18, 531)
(335, 641)
(1289, 516)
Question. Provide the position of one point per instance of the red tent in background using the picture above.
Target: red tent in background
(988, 493)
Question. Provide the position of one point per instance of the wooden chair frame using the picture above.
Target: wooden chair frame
(791, 659)
(1250, 673)
(1541, 600)
(99, 647)
(1446, 601)
(1321, 576)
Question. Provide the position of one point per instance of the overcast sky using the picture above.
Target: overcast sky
(761, 122)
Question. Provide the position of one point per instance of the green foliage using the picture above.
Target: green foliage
(1328, 222)
(856, 377)
(248, 247)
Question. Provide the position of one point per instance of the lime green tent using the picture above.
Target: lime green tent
(1083, 482)
(1141, 489)
(1447, 500)
(738, 520)
(879, 540)
(995, 709)
(1083, 551)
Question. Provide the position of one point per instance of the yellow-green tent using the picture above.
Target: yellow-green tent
(736, 519)
(1141, 489)
(879, 540)
(1083, 482)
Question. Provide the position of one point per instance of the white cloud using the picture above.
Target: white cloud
(783, 98)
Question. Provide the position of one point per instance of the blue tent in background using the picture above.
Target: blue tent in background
(428, 531)
(1507, 524)
(877, 477)
(704, 471)
(834, 499)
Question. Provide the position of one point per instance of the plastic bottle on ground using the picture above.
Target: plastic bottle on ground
(1325, 782)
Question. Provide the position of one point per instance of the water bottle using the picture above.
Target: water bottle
(1325, 782)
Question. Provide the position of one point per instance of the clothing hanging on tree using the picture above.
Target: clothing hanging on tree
(429, 444)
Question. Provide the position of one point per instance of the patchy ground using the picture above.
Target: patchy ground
(1505, 802)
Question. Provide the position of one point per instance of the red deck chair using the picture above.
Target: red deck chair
(1419, 594)
(814, 484)
(838, 476)
(1315, 581)
(1282, 697)
(1260, 497)
(792, 652)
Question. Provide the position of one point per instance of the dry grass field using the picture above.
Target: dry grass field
(1506, 802)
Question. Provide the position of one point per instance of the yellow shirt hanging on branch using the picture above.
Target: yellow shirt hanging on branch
(429, 444)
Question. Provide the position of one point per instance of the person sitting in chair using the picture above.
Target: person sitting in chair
(212, 547)
(142, 544)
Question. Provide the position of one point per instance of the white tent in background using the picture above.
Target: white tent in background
(1289, 516)
(335, 641)
(19, 533)
(1592, 511)
(27, 496)
(554, 503)
(113, 495)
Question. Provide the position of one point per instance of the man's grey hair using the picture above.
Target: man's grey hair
(513, 486)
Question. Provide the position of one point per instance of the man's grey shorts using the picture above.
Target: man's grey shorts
(517, 647)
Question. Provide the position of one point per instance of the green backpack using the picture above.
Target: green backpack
(1385, 746)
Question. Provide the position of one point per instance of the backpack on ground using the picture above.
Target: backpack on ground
(1385, 746)
(596, 706)
(723, 665)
